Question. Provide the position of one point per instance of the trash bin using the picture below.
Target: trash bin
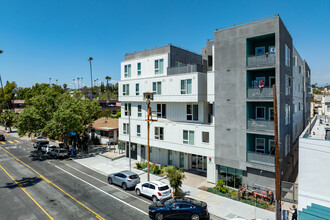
(285, 215)
(73, 152)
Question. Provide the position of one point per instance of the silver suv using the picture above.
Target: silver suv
(125, 179)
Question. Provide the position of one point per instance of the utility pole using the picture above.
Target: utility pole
(277, 161)
(90, 67)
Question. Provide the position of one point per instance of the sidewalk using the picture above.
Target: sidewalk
(217, 205)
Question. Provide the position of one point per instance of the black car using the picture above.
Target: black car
(39, 144)
(179, 208)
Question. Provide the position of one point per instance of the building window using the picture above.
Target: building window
(260, 145)
(295, 60)
(186, 86)
(159, 133)
(138, 130)
(287, 144)
(328, 108)
(188, 137)
(271, 114)
(137, 89)
(287, 56)
(231, 176)
(181, 160)
(139, 111)
(287, 85)
(128, 109)
(125, 89)
(157, 88)
(125, 128)
(161, 110)
(287, 114)
(192, 112)
(139, 69)
(159, 66)
(272, 147)
(299, 106)
(260, 113)
(169, 157)
(300, 68)
(260, 50)
(127, 71)
(205, 137)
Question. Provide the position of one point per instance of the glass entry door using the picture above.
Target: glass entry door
(198, 162)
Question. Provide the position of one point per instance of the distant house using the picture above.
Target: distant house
(112, 105)
(106, 129)
(18, 106)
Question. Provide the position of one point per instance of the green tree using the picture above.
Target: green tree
(9, 118)
(29, 122)
(175, 177)
(118, 114)
(8, 94)
(65, 86)
(108, 78)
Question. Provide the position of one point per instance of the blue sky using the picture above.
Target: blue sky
(44, 39)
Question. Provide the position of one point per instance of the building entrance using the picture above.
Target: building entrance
(198, 162)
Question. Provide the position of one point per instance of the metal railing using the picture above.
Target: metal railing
(261, 60)
(260, 158)
(190, 68)
(260, 125)
(257, 93)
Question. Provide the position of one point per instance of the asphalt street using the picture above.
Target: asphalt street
(34, 186)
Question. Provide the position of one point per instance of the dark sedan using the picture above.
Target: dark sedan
(179, 208)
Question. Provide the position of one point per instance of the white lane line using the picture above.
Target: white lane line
(109, 184)
(102, 191)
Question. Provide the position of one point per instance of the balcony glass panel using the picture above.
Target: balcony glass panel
(260, 125)
(261, 60)
(260, 158)
(260, 93)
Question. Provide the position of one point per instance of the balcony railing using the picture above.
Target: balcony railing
(255, 125)
(260, 158)
(256, 93)
(190, 68)
(261, 60)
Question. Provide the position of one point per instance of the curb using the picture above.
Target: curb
(5, 131)
(113, 159)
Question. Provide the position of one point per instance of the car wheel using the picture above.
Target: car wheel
(110, 180)
(195, 217)
(159, 216)
(124, 186)
(154, 199)
(138, 192)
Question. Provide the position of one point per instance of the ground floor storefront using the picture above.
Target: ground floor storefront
(201, 164)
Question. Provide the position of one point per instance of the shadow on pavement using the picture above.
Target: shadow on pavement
(26, 182)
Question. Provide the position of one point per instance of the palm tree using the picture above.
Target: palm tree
(65, 86)
(1, 51)
(78, 83)
(74, 84)
(108, 78)
(90, 67)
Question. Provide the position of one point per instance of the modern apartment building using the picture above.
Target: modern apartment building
(215, 111)
(184, 133)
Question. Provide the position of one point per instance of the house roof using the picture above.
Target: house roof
(18, 101)
(105, 124)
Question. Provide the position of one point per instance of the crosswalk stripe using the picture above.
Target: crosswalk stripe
(3, 142)
(16, 141)
(11, 142)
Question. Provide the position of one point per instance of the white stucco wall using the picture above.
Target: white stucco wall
(314, 173)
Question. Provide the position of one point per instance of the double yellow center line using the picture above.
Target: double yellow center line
(50, 182)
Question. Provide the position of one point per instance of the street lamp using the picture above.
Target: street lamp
(90, 67)
(148, 96)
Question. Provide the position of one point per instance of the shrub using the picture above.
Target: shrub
(156, 170)
(233, 194)
(96, 141)
(139, 165)
(221, 186)
(175, 177)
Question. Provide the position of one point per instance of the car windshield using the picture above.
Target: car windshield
(135, 176)
(163, 188)
(169, 202)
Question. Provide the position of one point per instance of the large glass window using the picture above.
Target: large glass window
(192, 112)
(125, 128)
(169, 157)
(139, 111)
(287, 56)
(205, 137)
(128, 109)
(137, 89)
(138, 130)
(188, 137)
(157, 88)
(139, 69)
(272, 147)
(125, 89)
(161, 110)
(186, 86)
(260, 112)
(231, 176)
(159, 66)
(260, 145)
(127, 72)
(181, 159)
(159, 133)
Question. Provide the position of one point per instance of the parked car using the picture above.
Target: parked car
(39, 144)
(59, 152)
(47, 148)
(179, 208)
(125, 179)
(155, 190)
(2, 137)
(41, 138)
